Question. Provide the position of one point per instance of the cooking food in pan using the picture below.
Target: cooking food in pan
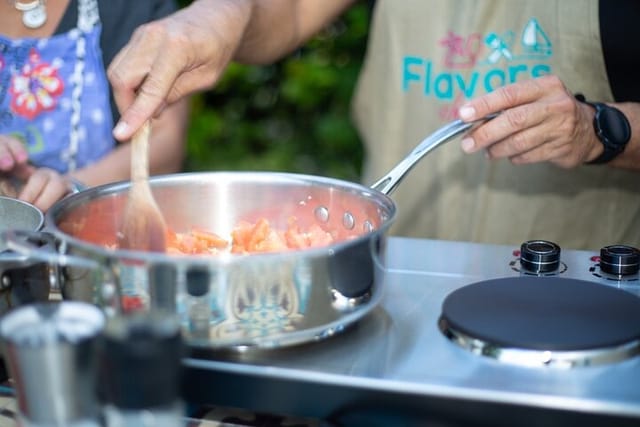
(247, 238)
(329, 276)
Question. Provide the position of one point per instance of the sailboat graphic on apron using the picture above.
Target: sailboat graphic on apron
(534, 41)
(534, 44)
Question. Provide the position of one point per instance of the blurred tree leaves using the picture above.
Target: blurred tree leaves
(291, 116)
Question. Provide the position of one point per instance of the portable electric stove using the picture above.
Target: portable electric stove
(466, 334)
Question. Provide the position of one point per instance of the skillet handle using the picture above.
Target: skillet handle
(23, 242)
(446, 133)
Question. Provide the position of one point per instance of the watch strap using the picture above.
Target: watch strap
(613, 134)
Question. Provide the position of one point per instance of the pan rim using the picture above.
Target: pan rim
(68, 203)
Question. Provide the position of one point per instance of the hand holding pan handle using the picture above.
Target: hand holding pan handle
(446, 133)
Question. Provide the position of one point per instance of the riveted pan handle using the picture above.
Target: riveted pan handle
(446, 133)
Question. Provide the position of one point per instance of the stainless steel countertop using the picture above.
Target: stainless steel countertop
(397, 351)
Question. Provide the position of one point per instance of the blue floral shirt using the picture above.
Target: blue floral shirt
(54, 95)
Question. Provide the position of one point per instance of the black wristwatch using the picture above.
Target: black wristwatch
(612, 129)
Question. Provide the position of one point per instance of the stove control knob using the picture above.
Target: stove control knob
(539, 256)
(619, 260)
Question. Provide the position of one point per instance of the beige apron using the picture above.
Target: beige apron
(425, 58)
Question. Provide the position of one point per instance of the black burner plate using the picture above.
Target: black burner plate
(544, 313)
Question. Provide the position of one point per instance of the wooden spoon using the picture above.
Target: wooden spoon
(143, 227)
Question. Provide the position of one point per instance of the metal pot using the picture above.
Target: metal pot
(22, 279)
(16, 214)
(227, 300)
(231, 301)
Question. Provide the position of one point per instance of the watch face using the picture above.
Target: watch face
(613, 127)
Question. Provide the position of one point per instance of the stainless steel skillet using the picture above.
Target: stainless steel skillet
(263, 300)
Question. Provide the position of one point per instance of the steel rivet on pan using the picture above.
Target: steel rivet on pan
(367, 227)
(322, 214)
(348, 221)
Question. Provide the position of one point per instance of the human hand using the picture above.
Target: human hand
(13, 155)
(41, 187)
(539, 120)
(13, 164)
(170, 58)
(44, 187)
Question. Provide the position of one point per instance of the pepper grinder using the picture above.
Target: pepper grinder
(141, 371)
(51, 353)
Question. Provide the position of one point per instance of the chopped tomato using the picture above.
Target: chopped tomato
(196, 241)
(318, 237)
(241, 236)
(294, 237)
(258, 237)
(211, 239)
(247, 238)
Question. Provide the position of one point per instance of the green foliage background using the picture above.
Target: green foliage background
(292, 116)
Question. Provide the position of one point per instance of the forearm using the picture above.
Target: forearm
(189, 50)
(277, 27)
(167, 148)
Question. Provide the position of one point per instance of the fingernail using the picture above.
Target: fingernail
(121, 129)
(467, 144)
(466, 113)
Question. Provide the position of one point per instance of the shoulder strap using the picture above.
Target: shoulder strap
(88, 14)
(88, 18)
